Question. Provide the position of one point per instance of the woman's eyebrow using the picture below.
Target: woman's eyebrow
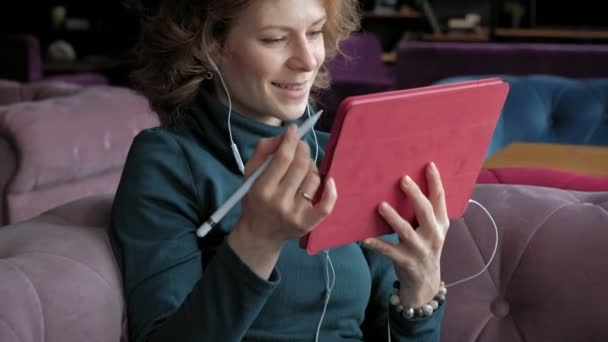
(320, 20)
(283, 27)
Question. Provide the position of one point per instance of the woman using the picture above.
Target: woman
(221, 73)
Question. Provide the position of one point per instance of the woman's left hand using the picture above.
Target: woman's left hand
(417, 255)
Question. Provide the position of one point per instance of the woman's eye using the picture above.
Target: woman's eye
(316, 33)
(273, 40)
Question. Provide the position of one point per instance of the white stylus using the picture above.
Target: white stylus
(243, 189)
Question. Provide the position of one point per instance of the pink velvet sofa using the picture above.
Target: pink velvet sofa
(60, 282)
(61, 141)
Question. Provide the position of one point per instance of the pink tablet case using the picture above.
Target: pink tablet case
(378, 138)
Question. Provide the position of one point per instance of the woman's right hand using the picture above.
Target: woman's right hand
(275, 208)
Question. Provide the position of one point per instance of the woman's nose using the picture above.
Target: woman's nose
(303, 55)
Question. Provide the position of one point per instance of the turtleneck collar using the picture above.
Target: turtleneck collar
(210, 118)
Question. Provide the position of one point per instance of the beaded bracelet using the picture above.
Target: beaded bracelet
(426, 310)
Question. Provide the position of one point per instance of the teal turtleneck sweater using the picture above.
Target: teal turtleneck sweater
(181, 288)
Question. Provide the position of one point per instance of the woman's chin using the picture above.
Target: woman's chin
(291, 112)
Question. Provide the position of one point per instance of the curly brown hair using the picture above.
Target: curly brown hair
(176, 35)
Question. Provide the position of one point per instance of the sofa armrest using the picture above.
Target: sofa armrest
(547, 280)
(10, 92)
(65, 138)
(13, 91)
(60, 281)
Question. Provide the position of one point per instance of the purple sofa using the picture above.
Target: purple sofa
(60, 282)
(60, 142)
(422, 63)
(360, 72)
(546, 283)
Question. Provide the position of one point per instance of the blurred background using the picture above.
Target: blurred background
(96, 36)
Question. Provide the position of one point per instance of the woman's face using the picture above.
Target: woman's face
(271, 57)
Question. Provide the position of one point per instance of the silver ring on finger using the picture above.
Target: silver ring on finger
(306, 196)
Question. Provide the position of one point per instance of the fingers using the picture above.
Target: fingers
(431, 212)
(279, 188)
(310, 184)
(387, 248)
(281, 159)
(425, 214)
(298, 170)
(437, 194)
(263, 149)
(325, 205)
(402, 228)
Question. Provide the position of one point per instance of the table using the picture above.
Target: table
(586, 159)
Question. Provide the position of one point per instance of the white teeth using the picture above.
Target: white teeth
(287, 86)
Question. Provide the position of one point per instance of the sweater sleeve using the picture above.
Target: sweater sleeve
(154, 220)
(378, 313)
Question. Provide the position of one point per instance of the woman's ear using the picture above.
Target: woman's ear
(206, 51)
(213, 55)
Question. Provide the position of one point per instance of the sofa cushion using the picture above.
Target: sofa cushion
(546, 282)
(65, 138)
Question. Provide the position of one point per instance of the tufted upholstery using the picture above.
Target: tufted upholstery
(65, 143)
(549, 108)
(547, 281)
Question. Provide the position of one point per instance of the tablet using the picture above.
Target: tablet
(376, 139)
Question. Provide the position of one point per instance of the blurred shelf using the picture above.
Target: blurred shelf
(87, 64)
(481, 36)
(404, 14)
(551, 33)
(389, 57)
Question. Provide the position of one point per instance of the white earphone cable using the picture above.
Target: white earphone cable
(329, 286)
(329, 265)
(493, 252)
(233, 147)
(388, 325)
(313, 134)
(331, 279)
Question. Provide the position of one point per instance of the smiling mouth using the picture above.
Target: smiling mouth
(290, 86)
